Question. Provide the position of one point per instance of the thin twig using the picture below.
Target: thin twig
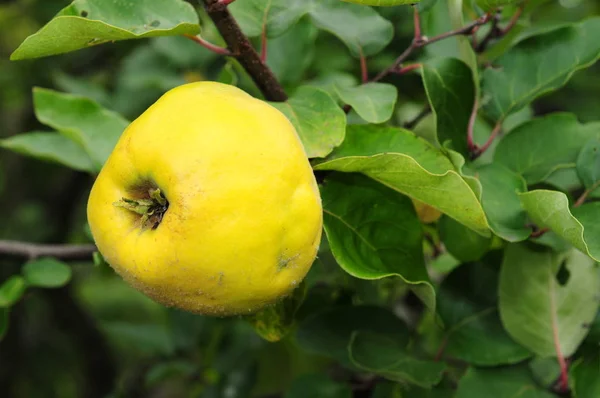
(242, 49)
(364, 71)
(479, 150)
(33, 250)
(408, 68)
(513, 21)
(226, 2)
(581, 200)
(212, 47)
(494, 32)
(471, 127)
(422, 41)
(538, 233)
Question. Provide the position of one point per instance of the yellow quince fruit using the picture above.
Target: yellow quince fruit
(208, 202)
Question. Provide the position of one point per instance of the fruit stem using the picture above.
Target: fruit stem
(152, 208)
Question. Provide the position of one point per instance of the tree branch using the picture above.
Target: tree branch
(33, 250)
(242, 49)
(420, 41)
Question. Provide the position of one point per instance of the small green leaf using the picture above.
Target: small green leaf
(12, 290)
(588, 164)
(545, 371)
(584, 375)
(501, 202)
(537, 148)
(329, 332)
(317, 385)
(504, 382)
(318, 119)
(51, 147)
(451, 93)
(274, 322)
(46, 272)
(274, 16)
(467, 305)
(374, 102)
(82, 120)
(87, 23)
(463, 243)
(384, 239)
(538, 292)
(524, 73)
(383, 3)
(361, 28)
(550, 209)
(410, 165)
(387, 357)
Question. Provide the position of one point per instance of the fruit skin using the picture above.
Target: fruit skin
(244, 220)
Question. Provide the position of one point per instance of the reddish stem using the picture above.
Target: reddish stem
(480, 150)
(212, 47)
(440, 352)
(226, 2)
(581, 200)
(471, 145)
(564, 371)
(539, 233)
(407, 68)
(417, 22)
(364, 71)
(513, 21)
(263, 45)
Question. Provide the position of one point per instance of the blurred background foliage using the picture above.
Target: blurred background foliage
(97, 337)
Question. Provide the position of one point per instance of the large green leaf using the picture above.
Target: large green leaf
(550, 209)
(585, 375)
(525, 72)
(94, 128)
(361, 28)
(505, 382)
(318, 119)
(328, 332)
(451, 93)
(374, 232)
(317, 385)
(374, 102)
(473, 331)
(51, 147)
(537, 148)
(46, 272)
(408, 164)
(501, 202)
(11, 290)
(387, 357)
(274, 16)
(539, 290)
(87, 23)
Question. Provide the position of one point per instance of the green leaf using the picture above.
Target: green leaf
(505, 382)
(46, 272)
(51, 147)
(387, 357)
(384, 238)
(451, 93)
(545, 371)
(489, 5)
(12, 290)
(588, 164)
(317, 385)
(276, 16)
(328, 332)
(374, 102)
(473, 331)
(463, 243)
(383, 3)
(585, 375)
(524, 73)
(94, 128)
(501, 202)
(4, 321)
(274, 322)
(291, 54)
(318, 119)
(537, 148)
(410, 165)
(539, 291)
(361, 28)
(87, 23)
(550, 209)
